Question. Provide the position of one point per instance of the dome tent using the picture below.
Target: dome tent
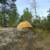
(24, 25)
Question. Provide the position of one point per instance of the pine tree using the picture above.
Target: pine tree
(13, 14)
(26, 15)
(9, 12)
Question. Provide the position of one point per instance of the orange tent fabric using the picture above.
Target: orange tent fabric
(24, 24)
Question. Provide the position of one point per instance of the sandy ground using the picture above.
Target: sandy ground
(8, 35)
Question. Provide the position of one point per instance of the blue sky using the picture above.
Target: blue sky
(42, 6)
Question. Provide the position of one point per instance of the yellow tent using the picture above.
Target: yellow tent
(24, 24)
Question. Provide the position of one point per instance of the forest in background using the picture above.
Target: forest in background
(10, 17)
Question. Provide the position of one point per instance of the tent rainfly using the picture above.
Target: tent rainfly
(24, 24)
